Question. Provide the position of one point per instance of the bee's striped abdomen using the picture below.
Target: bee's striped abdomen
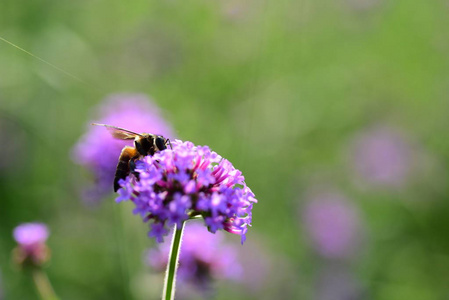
(128, 153)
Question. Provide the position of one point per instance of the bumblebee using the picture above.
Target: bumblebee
(144, 144)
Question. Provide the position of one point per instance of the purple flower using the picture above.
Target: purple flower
(31, 238)
(99, 152)
(204, 257)
(177, 184)
(332, 224)
(29, 234)
(381, 156)
(258, 265)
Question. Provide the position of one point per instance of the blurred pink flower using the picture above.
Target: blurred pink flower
(98, 151)
(31, 238)
(204, 257)
(257, 266)
(381, 156)
(29, 234)
(336, 283)
(332, 224)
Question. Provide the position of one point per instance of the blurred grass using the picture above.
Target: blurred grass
(277, 87)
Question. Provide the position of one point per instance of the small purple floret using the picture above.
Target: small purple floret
(188, 180)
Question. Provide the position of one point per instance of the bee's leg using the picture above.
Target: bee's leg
(132, 166)
(168, 142)
(128, 153)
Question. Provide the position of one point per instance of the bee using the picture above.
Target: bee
(144, 144)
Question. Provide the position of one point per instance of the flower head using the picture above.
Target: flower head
(204, 257)
(31, 238)
(99, 152)
(177, 184)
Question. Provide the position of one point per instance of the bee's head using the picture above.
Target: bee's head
(161, 142)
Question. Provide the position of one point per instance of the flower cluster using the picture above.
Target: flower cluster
(99, 152)
(31, 248)
(187, 181)
(204, 257)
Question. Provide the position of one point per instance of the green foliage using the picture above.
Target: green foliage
(280, 88)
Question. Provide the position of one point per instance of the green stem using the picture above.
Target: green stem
(43, 285)
(121, 242)
(172, 266)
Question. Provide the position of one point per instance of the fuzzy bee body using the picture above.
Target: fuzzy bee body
(144, 144)
(127, 155)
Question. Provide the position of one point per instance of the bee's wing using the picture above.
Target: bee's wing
(119, 133)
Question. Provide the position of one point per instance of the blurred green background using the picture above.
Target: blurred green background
(283, 89)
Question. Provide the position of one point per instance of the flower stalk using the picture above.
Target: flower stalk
(172, 266)
(43, 285)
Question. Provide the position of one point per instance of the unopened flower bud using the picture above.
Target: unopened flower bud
(31, 249)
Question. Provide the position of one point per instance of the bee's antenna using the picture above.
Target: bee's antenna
(44, 61)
